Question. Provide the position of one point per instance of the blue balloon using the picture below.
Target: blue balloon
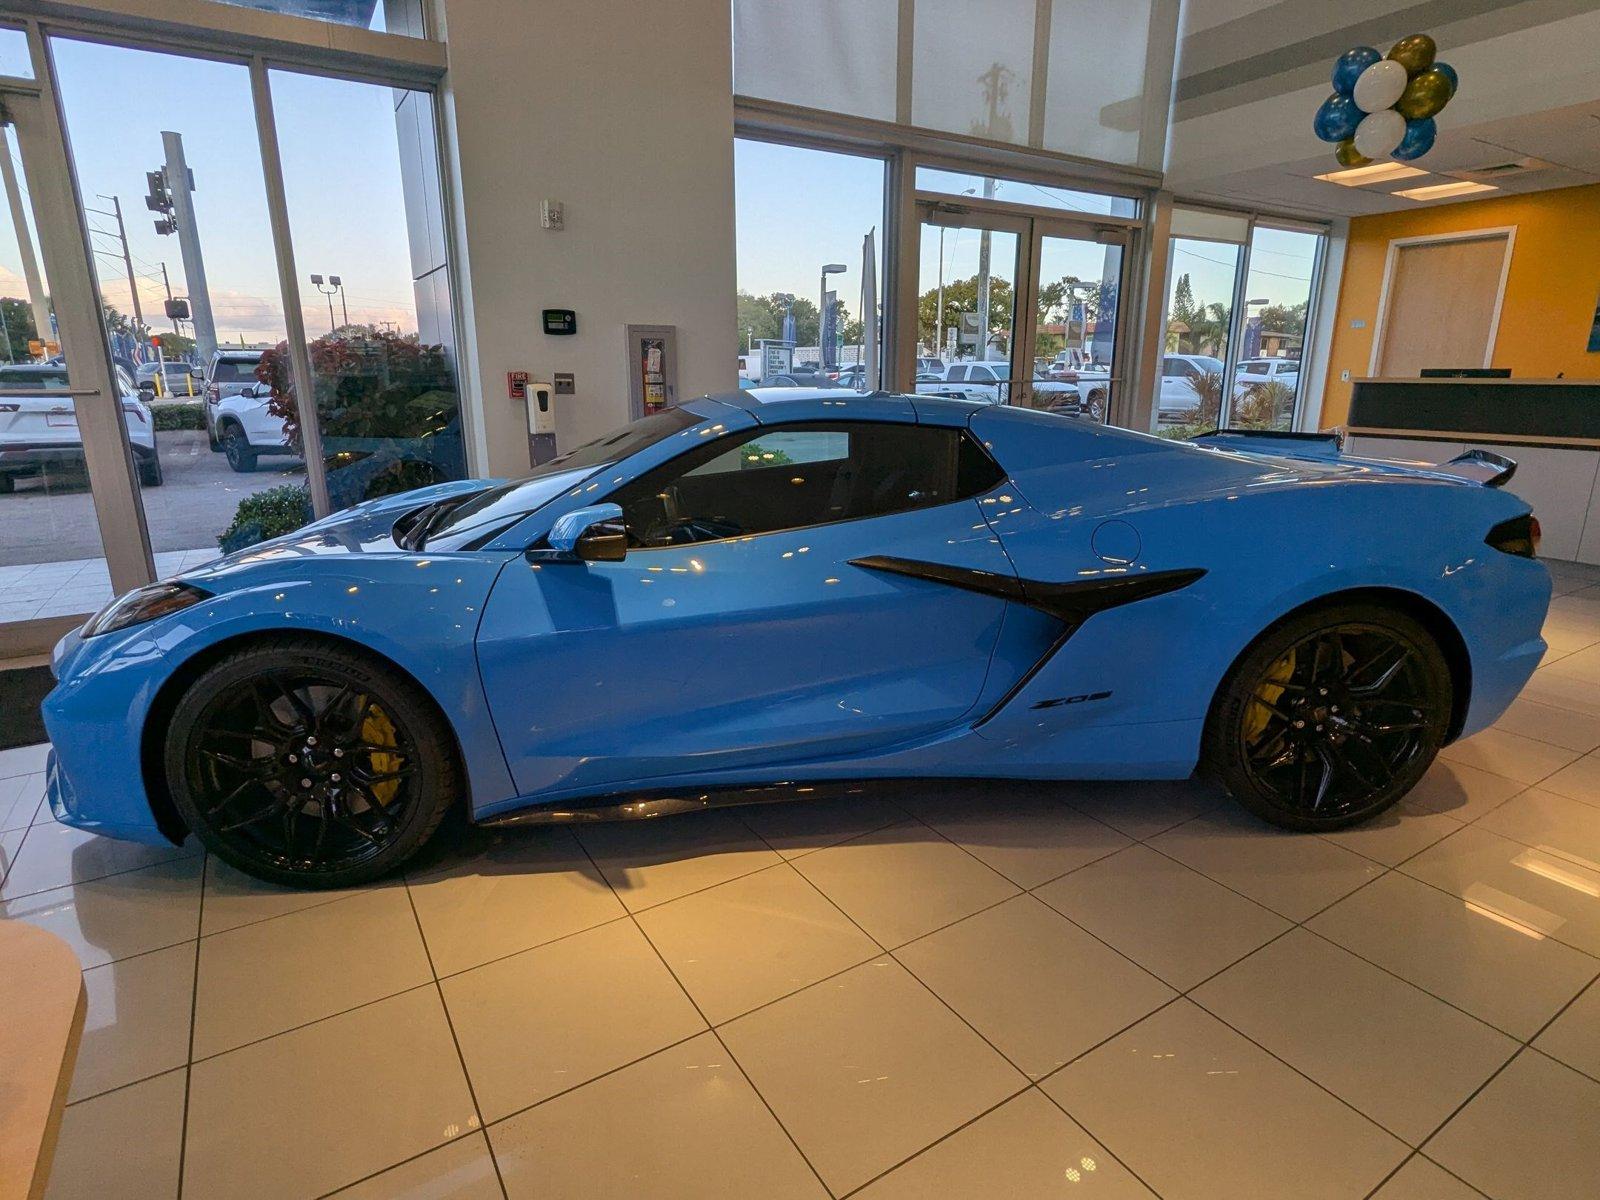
(1448, 72)
(1418, 139)
(1348, 66)
(1336, 119)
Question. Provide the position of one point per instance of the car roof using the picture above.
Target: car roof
(772, 405)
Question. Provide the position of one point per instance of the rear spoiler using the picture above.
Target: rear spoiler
(1499, 469)
(1475, 466)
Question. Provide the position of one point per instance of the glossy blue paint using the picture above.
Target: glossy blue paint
(564, 534)
(771, 657)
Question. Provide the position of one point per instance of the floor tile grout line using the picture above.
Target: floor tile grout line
(194, 1014)
(460, 1137)
(1099, 1141)
(449, 1022)
(709, 1028)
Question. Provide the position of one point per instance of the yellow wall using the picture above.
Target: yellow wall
(1550, 293)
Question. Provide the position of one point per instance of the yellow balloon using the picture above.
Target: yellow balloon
(1348, 155)
(1414, 53)
(1425, 95)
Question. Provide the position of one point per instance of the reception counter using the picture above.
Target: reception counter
(1551, 427)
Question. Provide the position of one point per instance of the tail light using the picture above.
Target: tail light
(8, 406)
(135, 411)
(1519, 535)
(213, 393)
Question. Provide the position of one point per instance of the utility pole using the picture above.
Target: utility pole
(30, 264)
(127, 258)
(166, 282)
(171, 190)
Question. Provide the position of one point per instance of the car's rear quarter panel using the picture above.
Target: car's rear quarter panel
(1272, 536)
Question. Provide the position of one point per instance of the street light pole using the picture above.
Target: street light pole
(822, 309)
(328, 291)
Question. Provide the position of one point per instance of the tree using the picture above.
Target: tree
(1284, 318)
(1183, 308)
(1208, 328)
(761, 317)
(19, 328)
(961, 296)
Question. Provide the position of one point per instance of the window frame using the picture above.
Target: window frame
(737, 437)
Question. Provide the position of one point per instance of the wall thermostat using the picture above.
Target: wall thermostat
(560, 320)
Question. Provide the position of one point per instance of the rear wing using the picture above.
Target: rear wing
(1473, 466)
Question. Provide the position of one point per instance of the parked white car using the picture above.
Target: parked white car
(1181, 377)
(238, 421)
(990, 383)
(1256, 372)
(40, 431)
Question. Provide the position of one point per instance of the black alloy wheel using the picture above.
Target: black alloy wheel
(237, 448)
(1331, 717)
(309, 765)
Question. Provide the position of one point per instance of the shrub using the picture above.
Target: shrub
(186, 415)
(1266, 406)
(267, 514)
(369, 382)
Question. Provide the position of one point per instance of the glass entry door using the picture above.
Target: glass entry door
(970, 278)
(71, 532)
(1018, 309)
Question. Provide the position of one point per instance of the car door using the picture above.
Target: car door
(741, 630)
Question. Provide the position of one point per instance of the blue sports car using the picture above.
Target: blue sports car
(777, 593)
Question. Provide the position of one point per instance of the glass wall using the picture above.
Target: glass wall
(810, 266)
(1268, 380)
(966, 312)
(366, 223)
(381, 16)
(1232, 355)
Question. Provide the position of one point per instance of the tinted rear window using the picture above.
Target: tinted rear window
(234, 370)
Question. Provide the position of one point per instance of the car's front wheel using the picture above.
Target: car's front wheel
(1330, 717)
(309, 765)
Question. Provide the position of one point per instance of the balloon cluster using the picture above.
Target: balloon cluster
(1384, 107)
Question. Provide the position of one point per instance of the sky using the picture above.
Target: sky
(341, 175)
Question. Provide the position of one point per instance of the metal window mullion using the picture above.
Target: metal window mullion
(1236, 320)
(1040, 80)
(1024, 314)
(67, 254)
(1308, 334)
(293, 319)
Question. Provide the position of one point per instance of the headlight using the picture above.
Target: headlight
(144, 604)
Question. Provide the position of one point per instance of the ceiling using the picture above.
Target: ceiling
(1245, 96)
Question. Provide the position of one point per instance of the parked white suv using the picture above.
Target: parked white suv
(1256, 372)
(237, 418)
(1181, 384)
(40, 431)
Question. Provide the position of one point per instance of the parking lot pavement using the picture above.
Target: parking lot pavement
(52, 520)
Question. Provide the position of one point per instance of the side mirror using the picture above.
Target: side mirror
(592, 534)
(147, 385)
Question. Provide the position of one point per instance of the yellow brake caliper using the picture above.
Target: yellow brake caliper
(1258, 714)
(378, 730)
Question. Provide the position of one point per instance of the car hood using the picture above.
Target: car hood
(367, 528)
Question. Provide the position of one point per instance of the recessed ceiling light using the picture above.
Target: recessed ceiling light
(1371, 173)
(1439, 191)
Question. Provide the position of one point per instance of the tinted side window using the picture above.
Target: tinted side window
(760, 481)
(957, 374)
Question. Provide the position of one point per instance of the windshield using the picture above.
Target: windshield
(496, 508)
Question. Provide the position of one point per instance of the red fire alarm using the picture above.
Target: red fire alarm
(517, 385)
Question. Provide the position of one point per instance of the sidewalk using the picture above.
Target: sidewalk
(59, 589)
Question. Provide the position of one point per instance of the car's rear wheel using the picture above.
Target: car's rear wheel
(237, 447)
(309, 765)
(1330, 717)
(150, 473)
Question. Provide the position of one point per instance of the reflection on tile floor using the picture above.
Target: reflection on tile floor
(1125, 990)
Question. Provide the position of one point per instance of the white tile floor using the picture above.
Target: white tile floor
(82, 585)
(940, 991)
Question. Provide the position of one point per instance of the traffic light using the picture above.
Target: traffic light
(159, 200)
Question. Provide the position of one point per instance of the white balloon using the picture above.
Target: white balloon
(1380, 132)
(1380, 85)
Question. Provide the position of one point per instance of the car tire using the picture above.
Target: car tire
(1330, 717)
(1096, 410)
(150, 472)
(299, 797)
(8, 484)
(211, 438)
(241, 457)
